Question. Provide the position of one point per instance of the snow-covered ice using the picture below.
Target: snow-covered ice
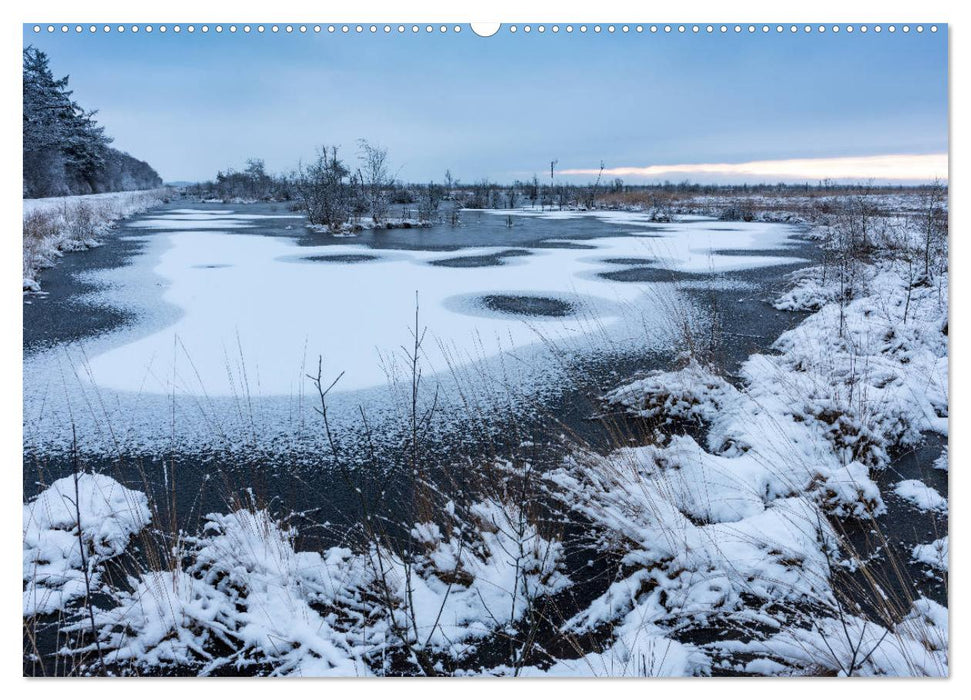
(264, 299)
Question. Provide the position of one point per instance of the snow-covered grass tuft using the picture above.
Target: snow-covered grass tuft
(110, 515)
(934, 554)
(241, 595)
(853, 646)
(243, 598)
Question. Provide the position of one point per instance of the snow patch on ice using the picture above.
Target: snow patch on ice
(920, 495)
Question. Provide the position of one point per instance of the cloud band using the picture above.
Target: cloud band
(887, 167)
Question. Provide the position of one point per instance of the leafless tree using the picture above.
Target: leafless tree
(934, 224)
(374, 178)
(323, 187)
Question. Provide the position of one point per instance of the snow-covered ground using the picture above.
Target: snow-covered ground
(245, 317)
(54, 204)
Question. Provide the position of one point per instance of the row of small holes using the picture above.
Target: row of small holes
(289, 29)
(765, 28)
(387, 29)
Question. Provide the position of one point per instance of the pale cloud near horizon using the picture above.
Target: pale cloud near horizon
(930, 166)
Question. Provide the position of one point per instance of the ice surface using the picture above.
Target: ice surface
(189, 223)
(685, 246)
(246, 316)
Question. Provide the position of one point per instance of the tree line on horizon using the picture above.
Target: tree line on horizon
(336, 191)
(66, 151)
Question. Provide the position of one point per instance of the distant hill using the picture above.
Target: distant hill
(124, 172)
(65, 150)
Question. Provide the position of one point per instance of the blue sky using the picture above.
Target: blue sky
(503, 107)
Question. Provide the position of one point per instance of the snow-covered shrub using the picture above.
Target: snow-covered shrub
(480, 579)
(755, 435)
(848, 492)
(699, 538)
(242, 598)
(692, 393)
(809, 291)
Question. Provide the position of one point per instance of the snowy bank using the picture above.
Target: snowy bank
(55, 225)
(728, 512)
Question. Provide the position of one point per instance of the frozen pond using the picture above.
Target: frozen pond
(229, 308)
